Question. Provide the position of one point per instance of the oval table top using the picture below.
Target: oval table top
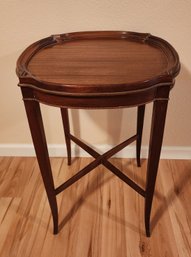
(97, 62)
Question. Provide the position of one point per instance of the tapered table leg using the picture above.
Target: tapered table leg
(40, 145)
(66, 125)
(140, 121)
(156, 137)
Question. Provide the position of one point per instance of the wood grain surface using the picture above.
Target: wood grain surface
(97, 62)
(99, 215)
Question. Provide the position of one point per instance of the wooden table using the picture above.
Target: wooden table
(106, 69)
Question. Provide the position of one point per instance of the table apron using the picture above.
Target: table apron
(128, 99)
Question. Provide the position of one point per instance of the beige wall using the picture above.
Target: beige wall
(22, 22)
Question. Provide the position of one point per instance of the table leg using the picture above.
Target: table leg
(140, 121)
(40, 145)
(66, 125)
(156, 137)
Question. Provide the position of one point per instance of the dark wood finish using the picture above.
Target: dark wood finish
(108, 69)
(39, 140)
(156, 137)
(97, 62)
(140, 121)
(66, 125)
(101, 159)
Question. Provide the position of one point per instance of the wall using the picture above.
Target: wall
(23, 22)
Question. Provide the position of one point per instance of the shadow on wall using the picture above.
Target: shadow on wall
(112, 125)
(178, 124)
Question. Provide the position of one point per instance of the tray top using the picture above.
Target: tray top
(97, 62)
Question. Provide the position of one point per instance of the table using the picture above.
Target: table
(98, 69)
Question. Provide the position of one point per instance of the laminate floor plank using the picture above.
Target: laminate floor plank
(99, 215)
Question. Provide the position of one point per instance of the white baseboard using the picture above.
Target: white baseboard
(58, 150)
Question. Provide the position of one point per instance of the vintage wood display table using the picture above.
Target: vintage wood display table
(105, 69)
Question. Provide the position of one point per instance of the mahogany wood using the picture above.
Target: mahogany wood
(40, 145)
(66, 125)
(97, 62)
(106, 69)
(109, 165)
(140, 121)
(157, 130)
(100, 159)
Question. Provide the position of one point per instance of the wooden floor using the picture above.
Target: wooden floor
(100, 216)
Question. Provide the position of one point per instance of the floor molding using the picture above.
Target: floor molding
(58, 150)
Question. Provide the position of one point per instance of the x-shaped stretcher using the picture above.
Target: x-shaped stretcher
(101, 159)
